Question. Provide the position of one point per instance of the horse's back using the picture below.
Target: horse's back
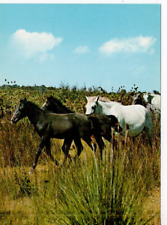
(68, 125)
(73, 118)
(137, 117)
(133, 112)
(156, 102)
(100, 122)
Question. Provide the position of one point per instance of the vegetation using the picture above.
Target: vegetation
(122, 188)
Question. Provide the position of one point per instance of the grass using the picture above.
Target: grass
(122, 188)
(117, 190)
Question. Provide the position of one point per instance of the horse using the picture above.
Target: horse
(54, 105)
(133, 119)
(101, 124)
(150, 101)
(48, 125)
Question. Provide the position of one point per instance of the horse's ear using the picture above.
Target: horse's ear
(87, 98)
(97, 98)
(23, 100)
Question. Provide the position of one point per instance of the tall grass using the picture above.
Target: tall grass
(110, 191)
(91, 191)
(114, 190)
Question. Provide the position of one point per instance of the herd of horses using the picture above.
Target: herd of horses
(103, 117)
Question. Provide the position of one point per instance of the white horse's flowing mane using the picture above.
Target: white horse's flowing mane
(104, 99)
(108, 101)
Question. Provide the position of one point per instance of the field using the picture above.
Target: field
(122, 188)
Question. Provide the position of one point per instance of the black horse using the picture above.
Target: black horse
(102, 124)
(71, 126)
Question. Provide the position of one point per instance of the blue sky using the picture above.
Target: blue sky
(108, 45)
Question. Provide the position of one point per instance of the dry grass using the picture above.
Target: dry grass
(122, 190)
(151, 206)
(31, 199)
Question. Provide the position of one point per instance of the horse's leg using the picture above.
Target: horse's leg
(126, 133)
(88, 140)
(100, 143)
(66, 148)
(48, 151)
(148, 132)
(41, 146)
(79, 145)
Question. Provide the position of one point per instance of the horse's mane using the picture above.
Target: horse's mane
(108, 101)
(104, 99)
(34, 105)
(58, 102)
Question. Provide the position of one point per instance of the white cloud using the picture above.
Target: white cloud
(34, 44)
(82, 50)
(137, 44)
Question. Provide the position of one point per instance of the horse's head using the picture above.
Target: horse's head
(47, 106)
(138, 99)
(91, 106)
(20, 111)
(54, 105)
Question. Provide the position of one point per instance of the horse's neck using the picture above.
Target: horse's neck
(107, 107)
(34, 114)
(59, 108)
(112, 108)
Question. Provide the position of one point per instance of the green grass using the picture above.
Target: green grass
(122, 188)
(90, 191)
(99, 192)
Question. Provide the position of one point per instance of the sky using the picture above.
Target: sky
(106, 45)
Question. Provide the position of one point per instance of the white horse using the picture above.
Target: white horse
(154, 100)
(149, 100)
(135, 118)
